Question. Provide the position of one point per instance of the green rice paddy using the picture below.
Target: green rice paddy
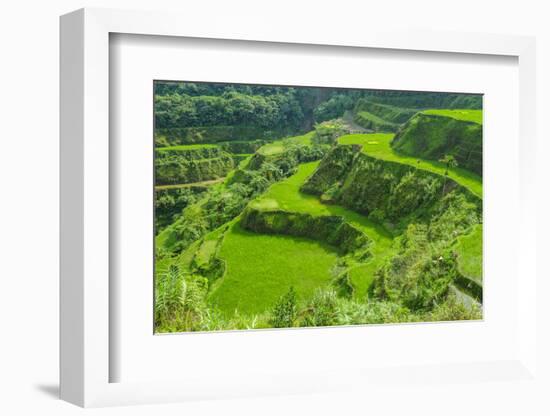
(260, 268)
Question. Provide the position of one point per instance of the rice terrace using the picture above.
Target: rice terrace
(279, 207)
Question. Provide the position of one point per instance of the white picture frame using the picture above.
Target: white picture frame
(85, 220)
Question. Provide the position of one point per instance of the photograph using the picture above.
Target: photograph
(304, 206)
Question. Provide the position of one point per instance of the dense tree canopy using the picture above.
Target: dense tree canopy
(186, 104)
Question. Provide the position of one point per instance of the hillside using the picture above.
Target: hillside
(381, 117)
(379, 145)
(435, 134)
(191, 163)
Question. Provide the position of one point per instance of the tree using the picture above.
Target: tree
(449, 161)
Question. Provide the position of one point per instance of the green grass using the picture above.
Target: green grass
(475, 116)
(278, 146)
(260, 268)
(186, 147)
(272, 148)
(378, 145)
(469, 249)
(303, 139)
(286, 195)
(372, 121)
(389, 113)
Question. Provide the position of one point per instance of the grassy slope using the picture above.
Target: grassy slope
(286, 195)
(469, 248)
(475, 116)
(254, 280)
(370, 120)
(278, 146)
(379, 145)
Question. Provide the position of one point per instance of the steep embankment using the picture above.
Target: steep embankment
(378, 145)
(381, 117)
(436, 133)
(387, 191)
(191, 163)
(333, 230)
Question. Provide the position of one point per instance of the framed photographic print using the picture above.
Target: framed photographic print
(312, 215)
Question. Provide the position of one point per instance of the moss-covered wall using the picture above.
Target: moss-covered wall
(333, 230)
(191, 165)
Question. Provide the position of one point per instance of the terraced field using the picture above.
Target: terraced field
(186, 147)
(304, 263)
(278, 146)
(475, 116)
(379, 145)
(286, 195)
(190, 185)
(469, 247)
(254, 279)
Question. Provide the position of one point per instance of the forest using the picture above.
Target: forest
(280, 207)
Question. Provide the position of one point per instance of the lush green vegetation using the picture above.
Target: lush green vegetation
(475, 116)
(185, 147)
(424, 100)
(433, 137)
(389, 113)
(373, 122)
(469, 248)
(286, 195)
(295, 262)
(269, 212)
(379, 145)
(191, 163)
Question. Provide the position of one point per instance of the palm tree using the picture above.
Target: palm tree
(450, 162)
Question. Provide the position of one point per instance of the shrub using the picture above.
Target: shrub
(170, 291)
(322, 309)
(328, 132)
(454, 310)
(344, 285)
(373, 312)
(285, 311)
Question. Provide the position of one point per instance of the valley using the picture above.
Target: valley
(378, 220)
